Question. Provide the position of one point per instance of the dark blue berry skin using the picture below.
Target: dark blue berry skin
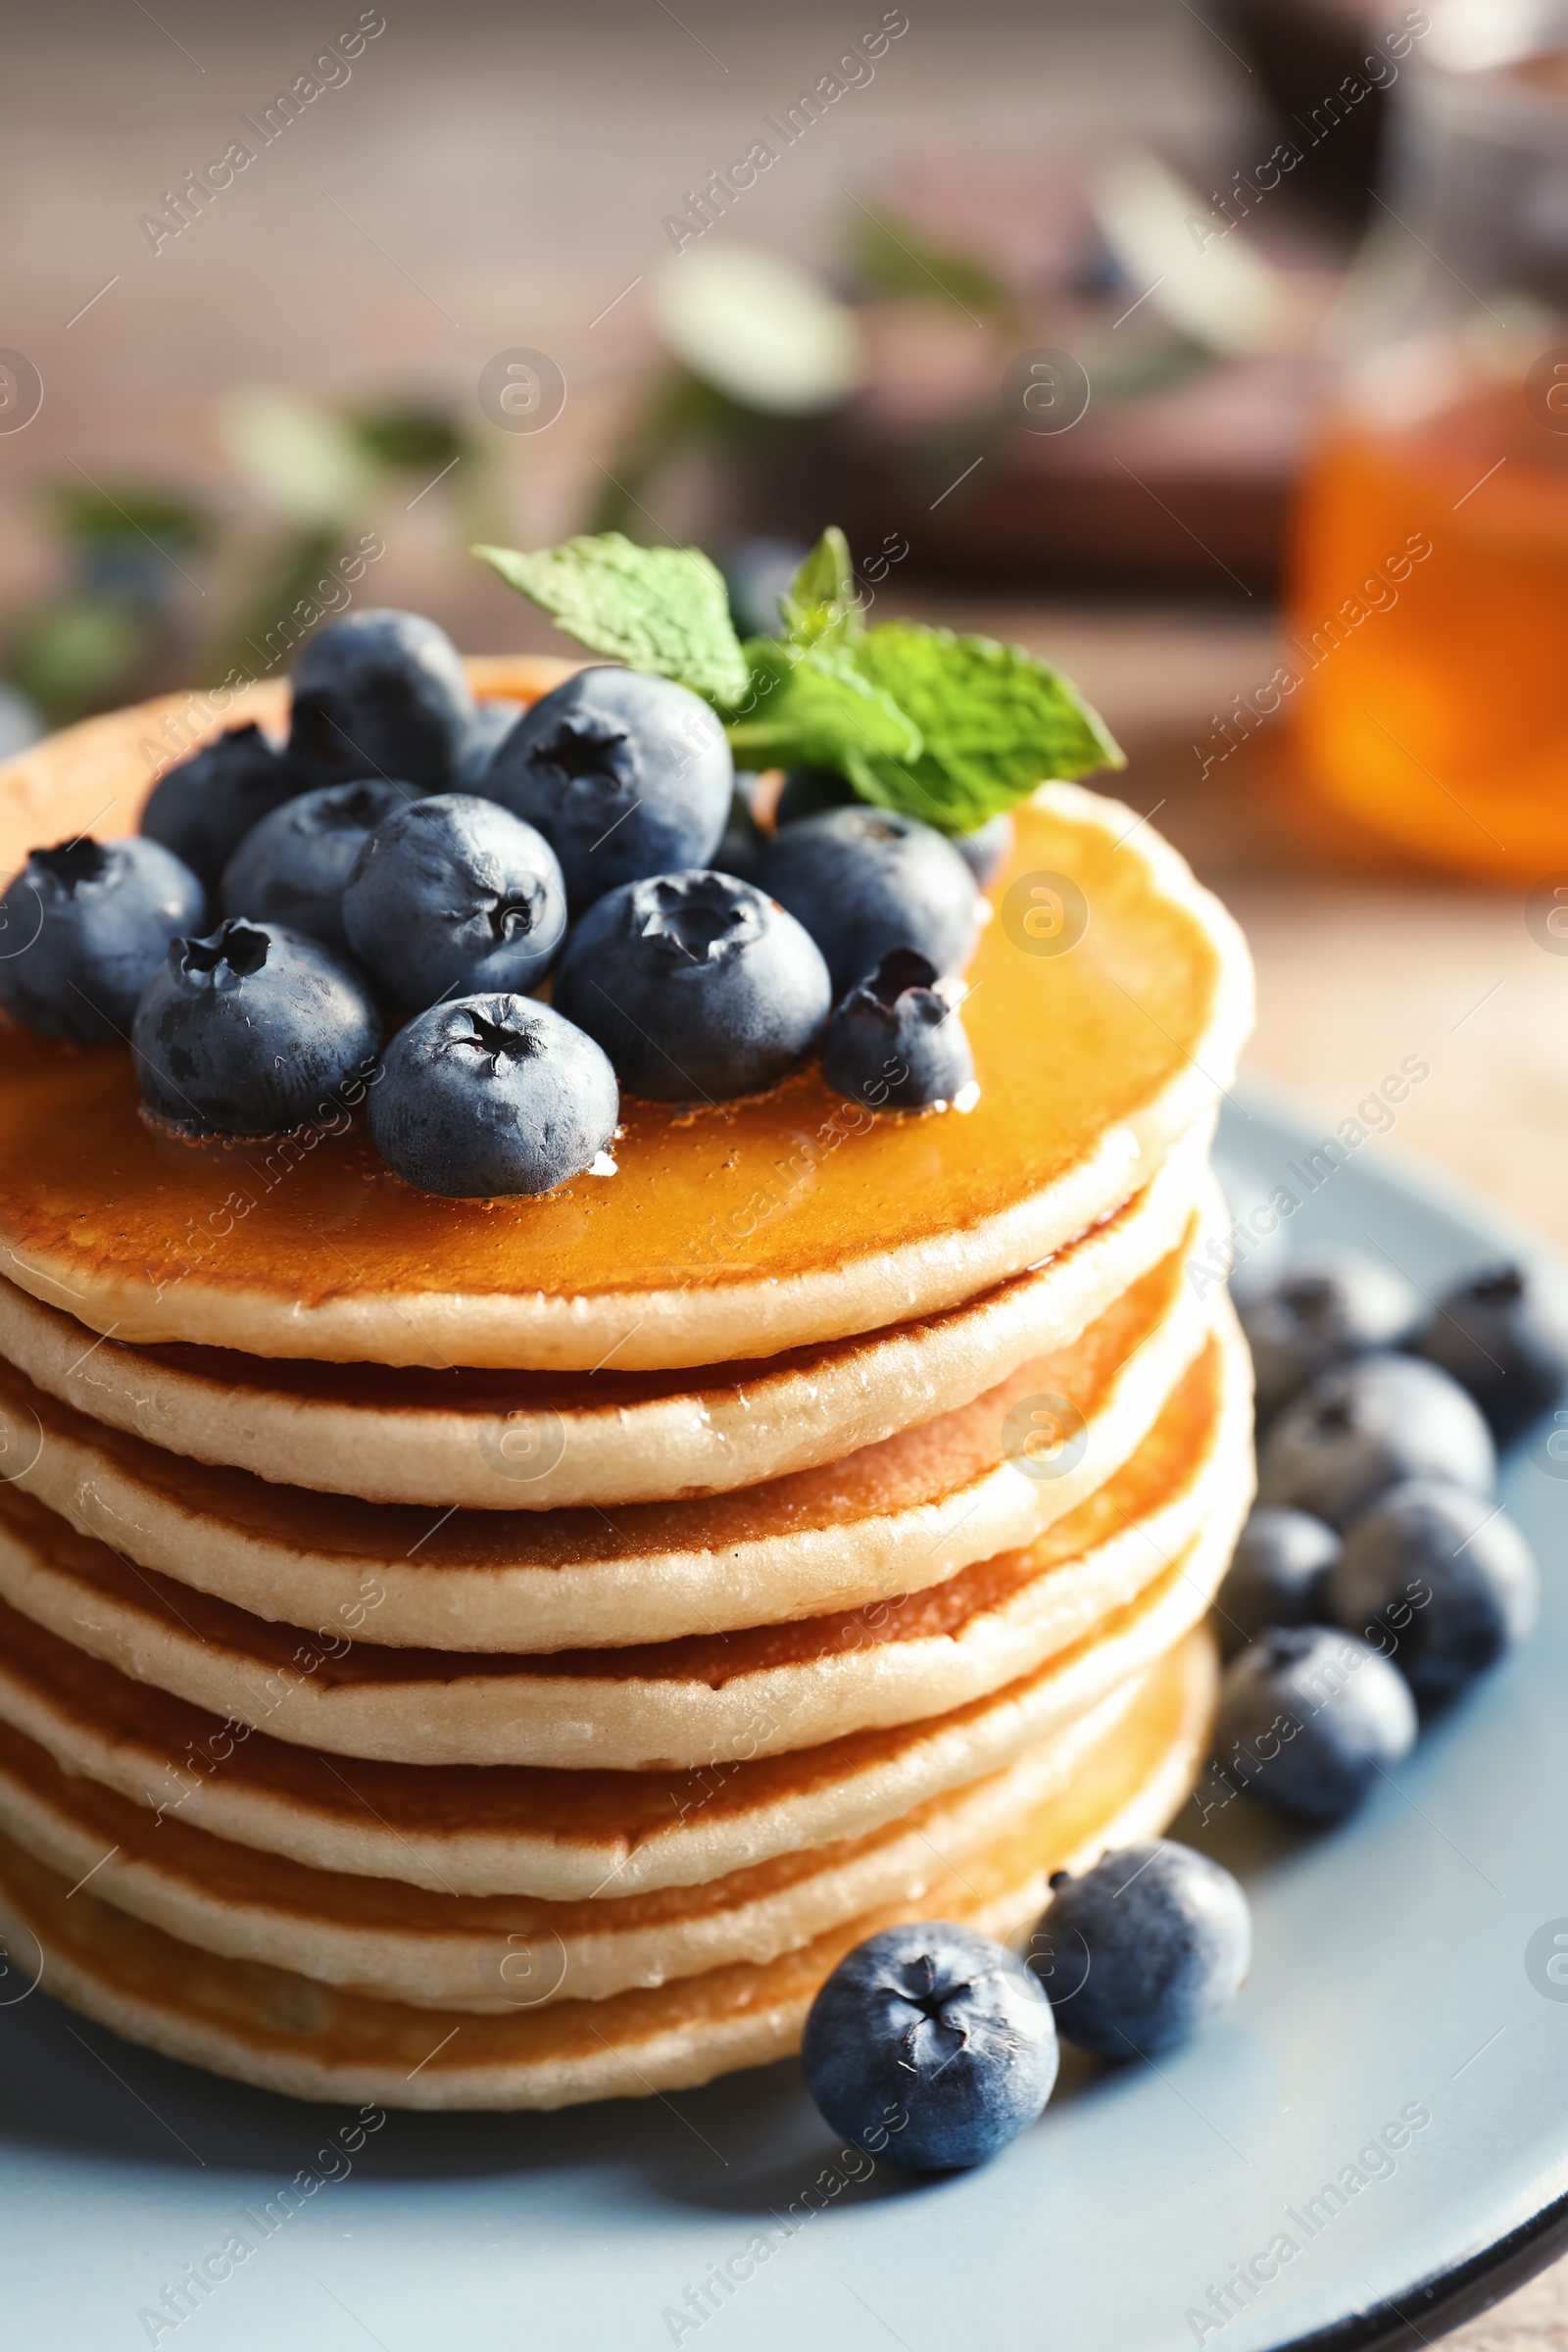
(1503, 1335)
(292, 867)
(203, 808)
(1310, 1718)
(930, 2046)
(986, 851)
(742, 846)
(864, 881)
(1326, 1306)
(624, 775)
(811, 791)
(254, 1030)
(696, 984)
(1431, 1576)
(380, 694)
(82, 929)
(894, 1044)
(1362, 1427)
(493, 723)
(1277, 1576)
(454, 895)
(1140, 1952)
(492, 1095)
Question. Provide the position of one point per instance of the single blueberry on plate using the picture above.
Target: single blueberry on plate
(1364, 1426)
(696, 986)
(1439, 1580)
(203, 808)
(82, 929)
(866, 880)
(624, 775)
(1140, 1952)
(1276, 1576)
(492, 1095)
(291, 867)
(493, 723)
(1503, 1335)
(895, 1044)
(256, 1029)
(1327, 1305)
(931, 2046)
(986, 851)
(380, 694)
(453, 893)
(1310, 1717)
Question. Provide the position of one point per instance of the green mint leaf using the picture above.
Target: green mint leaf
(994, 722)
(823, 606)
(811, 706)
(658, 608)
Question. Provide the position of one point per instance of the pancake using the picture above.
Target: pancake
(645, 1706)
(537, 1441)
(732, 1231)
(891, 1518)
(492, 1953)
(284, 2031)
(565, 1836)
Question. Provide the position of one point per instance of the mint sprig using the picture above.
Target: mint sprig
(659, 609)
(951, 729)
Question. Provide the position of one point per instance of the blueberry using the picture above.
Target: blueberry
(894, 1044)
(1276, 1576)
(1364, 1426)
(695, 985)
(811, 791)
(1327, 1305)
(865, 880)
(291, 867)
(1143, 1949)
(454, 893)
(1503, 1335)
(1309, 1717)
(255, 1029)
(742, 846)
(931, 2046)
(986, 851)
(203, 808)
(82, 929)
(1439, 1580)
(493, 723)
(492, 1095)
(624, 775)
(380, 694)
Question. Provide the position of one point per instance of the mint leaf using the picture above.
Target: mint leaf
(821, 605)
(658, 608)
(811, 706)
(994, 722)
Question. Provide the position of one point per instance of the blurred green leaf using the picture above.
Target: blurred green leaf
(890, 256)
(76, 655)
(821, 606)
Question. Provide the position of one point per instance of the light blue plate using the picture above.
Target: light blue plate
(1400, 1972)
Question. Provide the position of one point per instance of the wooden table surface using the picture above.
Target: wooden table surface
(1361, 960)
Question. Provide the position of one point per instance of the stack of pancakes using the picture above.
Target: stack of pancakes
(502, 1653)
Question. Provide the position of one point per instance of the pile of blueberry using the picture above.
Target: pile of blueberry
(933, 2047)
(1377, 1575)
(412, 864)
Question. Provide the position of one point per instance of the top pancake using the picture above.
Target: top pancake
(732, 1230)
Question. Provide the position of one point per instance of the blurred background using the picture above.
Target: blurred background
(1216, 349)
